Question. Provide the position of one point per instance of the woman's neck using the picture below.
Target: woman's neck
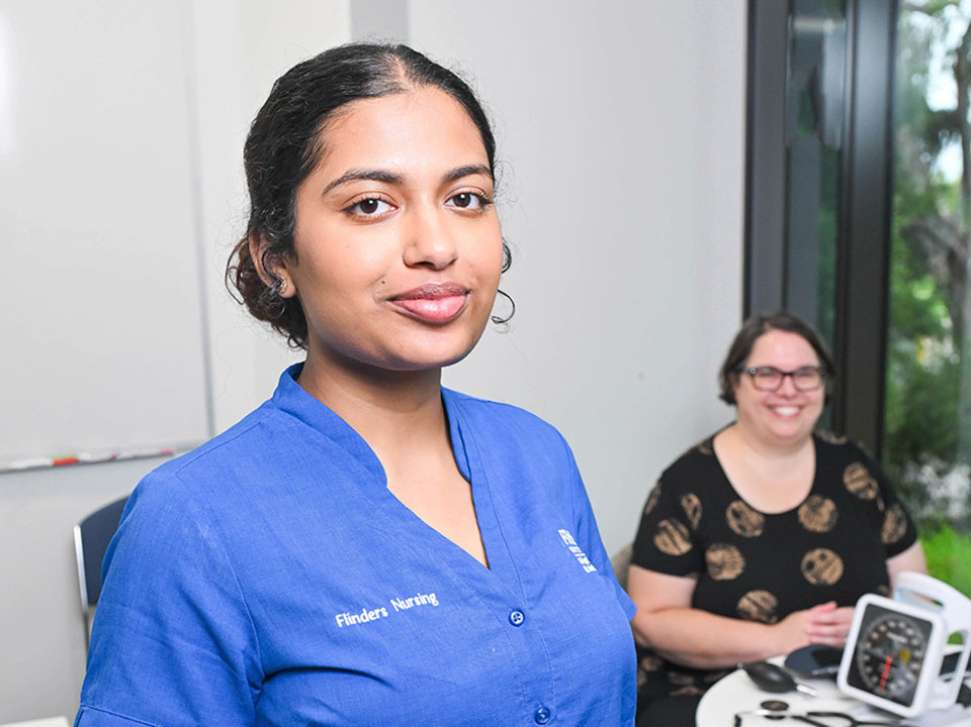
(770, 476)
(768, 452)
(394, 411)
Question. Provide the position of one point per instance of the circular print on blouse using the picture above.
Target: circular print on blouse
(858, 480)
(822, 567)
(680, 678)
(758, 606)
(690, 691)
(744, 520)
(653, 498)
(818, 514)
(725, 562)
(692, 508)
(672, 537)
(651, 662)
(894, 525)
(830, 438)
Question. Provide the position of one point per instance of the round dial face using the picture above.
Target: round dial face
(890, 655)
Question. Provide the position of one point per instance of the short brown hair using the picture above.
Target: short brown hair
(753, 329)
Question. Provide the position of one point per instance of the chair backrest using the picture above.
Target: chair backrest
(621, 562)
(91, 538)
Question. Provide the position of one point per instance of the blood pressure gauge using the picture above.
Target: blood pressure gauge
(890, 654)
(895, 647)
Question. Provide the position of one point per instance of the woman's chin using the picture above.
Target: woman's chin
(790, 431)
(425, 357)
(444, 350)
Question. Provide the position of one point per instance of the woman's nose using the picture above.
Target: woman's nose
(430, 242)
(788, 386)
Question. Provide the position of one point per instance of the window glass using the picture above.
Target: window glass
(927, 420)
(815, 110)
(815, 101)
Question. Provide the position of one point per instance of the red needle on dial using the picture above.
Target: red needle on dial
(886, 671)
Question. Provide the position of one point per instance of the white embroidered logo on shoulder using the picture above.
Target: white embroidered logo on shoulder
(571, 544)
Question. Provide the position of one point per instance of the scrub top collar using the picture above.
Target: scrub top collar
(294, 400)
(501, 573)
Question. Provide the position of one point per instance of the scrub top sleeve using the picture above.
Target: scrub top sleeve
(897, 529)
(173, 643)
(664, 542)
(588, 537)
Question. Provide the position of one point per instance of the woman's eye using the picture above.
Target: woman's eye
(369, 207)
(467, 201)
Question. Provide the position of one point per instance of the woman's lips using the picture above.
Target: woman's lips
(437, 303)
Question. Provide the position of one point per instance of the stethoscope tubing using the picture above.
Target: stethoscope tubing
(807, 718)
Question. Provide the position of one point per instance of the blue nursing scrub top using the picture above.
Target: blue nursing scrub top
(271, 578)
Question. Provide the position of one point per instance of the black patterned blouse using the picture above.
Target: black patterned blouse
(762, 567)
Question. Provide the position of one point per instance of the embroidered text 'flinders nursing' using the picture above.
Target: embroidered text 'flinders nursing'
(366, 615)
(571, 545)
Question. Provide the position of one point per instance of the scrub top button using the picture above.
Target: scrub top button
(542, 715)
(516, 618)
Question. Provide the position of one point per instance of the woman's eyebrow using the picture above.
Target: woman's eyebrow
(466, 171)
(383, 175)
(374, 175)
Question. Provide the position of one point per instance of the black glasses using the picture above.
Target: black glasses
(769, 378)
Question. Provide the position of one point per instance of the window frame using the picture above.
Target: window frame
(865, 202)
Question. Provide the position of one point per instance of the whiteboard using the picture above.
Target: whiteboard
(102, 338)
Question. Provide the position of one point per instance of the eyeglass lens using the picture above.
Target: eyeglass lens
(769, 378)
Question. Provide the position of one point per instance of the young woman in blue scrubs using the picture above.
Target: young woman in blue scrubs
(366, 548)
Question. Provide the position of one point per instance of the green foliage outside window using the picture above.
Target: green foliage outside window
(927, 444)
(948, 557)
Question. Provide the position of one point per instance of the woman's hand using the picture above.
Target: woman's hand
(792, 632)
(830, 625)
(823, 624)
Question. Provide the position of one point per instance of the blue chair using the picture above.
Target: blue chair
(91, 538)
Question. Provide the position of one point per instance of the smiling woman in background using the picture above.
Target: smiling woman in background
(760, 539)
(367, 547)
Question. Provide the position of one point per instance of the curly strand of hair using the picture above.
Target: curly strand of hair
(500, 320)
(506, 257)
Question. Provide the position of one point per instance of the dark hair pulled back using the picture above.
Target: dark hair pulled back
(286, 141)
(753, 329)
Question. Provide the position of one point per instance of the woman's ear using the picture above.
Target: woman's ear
(734, 380)
(271, 269)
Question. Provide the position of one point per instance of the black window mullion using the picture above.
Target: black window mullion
(863, 270)
(765, 213)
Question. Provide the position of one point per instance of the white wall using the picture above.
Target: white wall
(234, 50)
(621, 130)
(241, 47)
(100, 264)
(41, 626)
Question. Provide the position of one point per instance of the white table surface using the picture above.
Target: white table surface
(737, 693)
